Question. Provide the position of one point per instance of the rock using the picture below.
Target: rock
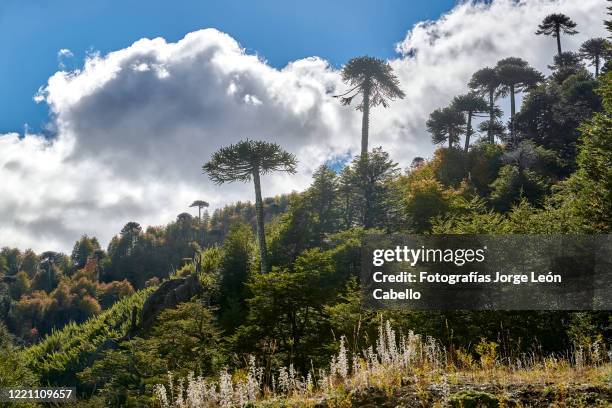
(169, 294)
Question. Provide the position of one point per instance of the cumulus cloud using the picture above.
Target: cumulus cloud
(132, 128)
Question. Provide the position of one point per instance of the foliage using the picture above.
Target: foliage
(374, 80)
(63, 353)
(595, 50)
(287, 304)
(552, 113)
(472, 105)
(238, 162)
(300, 331)
(183, 340)
(556, 24)
(587, 192)
(367, 183)
(486, 83)
(376, 375)
(446, 125)
(371, 75)
(246, 160)
(13, 371)
(424, 200)
(234, 273)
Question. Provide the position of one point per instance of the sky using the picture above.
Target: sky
(33, 31)
(124, 103)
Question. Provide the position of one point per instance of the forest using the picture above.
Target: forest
(266, 306)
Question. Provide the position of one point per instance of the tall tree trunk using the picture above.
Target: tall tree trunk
(512, 112)
(558, 31)
(450, 140)
(468, 131)
(596, 66)
(261, 233)
(491, 115)
(365, 122)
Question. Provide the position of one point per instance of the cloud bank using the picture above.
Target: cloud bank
(132, 128)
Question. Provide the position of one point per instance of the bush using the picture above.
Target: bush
(473, 399)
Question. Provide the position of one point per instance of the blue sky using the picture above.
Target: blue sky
(33, 31)
(133, 130)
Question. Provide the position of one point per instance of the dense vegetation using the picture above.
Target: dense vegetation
(279, 279)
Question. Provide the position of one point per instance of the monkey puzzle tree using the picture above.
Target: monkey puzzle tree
(200, 204)
(374, 80)
(515, 76)
(594, 50)
(245, 161)
(445, 124)
(49, 261)
(471, 105)
(486, 82)
(555, 24)
(566, 64)
(492, 129)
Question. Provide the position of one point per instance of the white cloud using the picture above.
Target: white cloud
(64, 53)
(135, 126)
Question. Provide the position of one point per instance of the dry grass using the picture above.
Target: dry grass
(410, 371)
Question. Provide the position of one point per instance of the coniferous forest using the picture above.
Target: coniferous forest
(259, 303)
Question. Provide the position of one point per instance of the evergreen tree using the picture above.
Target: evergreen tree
(555, 25)
(589, 190)
(322, 197)
(471, 105)
(83, 249)
(551, 114)
(245, 161)
(445, 125)
(516, 76)
(199, 204)
(566, 64)
(486, 82)
(594, 50)
(234, 272)
(374, 80)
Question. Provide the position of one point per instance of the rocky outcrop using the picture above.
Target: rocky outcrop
(169, 294)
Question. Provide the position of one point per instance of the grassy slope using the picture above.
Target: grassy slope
(64, 353)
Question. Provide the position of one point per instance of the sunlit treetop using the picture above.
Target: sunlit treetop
(555, 23)
(371, 75)
(238, 162)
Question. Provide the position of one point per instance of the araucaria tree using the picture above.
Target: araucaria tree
(200, 204)
(374, 80)
(515, 76)
(486, 82)
(555, 24)
(471, 105)
(445, 125)
(245, 161)
(594, 50)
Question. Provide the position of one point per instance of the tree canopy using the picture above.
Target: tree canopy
(374, 80)
(238, 162)
(556, 24)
